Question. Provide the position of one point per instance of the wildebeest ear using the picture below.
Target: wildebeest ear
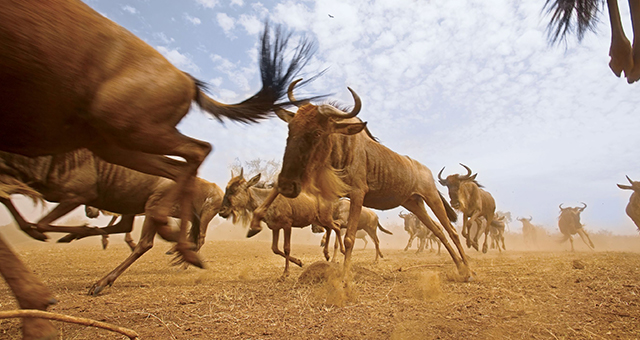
(349, 128)
(254, 180)
(626, 187)
(285, 115)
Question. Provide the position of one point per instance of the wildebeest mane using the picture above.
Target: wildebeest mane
(562, 16)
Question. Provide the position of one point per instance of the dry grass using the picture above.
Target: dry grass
(516, 295)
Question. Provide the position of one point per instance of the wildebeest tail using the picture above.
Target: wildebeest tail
(194, 233)
(11, 186)
(384, 230)
(275, 74)
(453, 217)
(562, 14)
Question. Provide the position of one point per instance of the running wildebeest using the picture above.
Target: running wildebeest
(416, 229)
(529, 231)
(633, 208)
(569, 224)
(468, 196)
(331, 153)
(368, 225)
(624, 57)
(71, 78)
(79, 177)
(241, 198)
(496, 232)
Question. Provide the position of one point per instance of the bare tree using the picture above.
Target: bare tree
(268, 168)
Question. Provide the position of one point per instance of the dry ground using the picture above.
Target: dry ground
(516, 295)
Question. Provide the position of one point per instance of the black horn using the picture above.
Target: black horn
(585, 206)
(468, 175)
(560, 206)
(629, 179)
(290, 92)
(331, 111)
(440, 179)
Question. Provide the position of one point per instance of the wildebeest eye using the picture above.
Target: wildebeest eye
(317, 133)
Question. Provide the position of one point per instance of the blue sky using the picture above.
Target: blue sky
(441, 81)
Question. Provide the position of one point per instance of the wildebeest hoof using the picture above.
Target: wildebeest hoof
(253, 232)
(95, 289)
(34, 233)
(484, 249)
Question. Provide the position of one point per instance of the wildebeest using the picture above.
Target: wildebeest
(416, 229)
(79, 177)
(474, 202)
(71, 78)
(241, 197)
(569, 224)
(624, 57)
(529, 231)
(496, 232)
(330, 153)
(367, 225)
(633, 208)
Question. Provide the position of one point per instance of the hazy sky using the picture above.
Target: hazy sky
(441, 81)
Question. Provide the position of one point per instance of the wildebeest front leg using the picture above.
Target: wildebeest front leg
(473, 220)
(357, 199)
(29, 228)
(411, 237)
(147, 235)
(275, 236)
(585, 238)
(60, 210)
(260, 212)
(620, 50)
(30, 292)
(287, 250)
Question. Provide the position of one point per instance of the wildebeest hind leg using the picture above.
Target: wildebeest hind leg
(60, 210)
(634, 75)
(25, 226)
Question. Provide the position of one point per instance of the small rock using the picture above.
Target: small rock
(577, 264)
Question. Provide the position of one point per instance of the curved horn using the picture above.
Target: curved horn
(560, 206)
(331, 111)
(442, 181)
(290, 91)
(530, 218)
(585, 206)
(241, 172)
(468, 175)
(629, 179)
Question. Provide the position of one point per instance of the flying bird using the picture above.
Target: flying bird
(330, 16)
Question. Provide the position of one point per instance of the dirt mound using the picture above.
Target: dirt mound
(319, 272)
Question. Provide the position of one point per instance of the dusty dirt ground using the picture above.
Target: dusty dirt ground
(516, 294)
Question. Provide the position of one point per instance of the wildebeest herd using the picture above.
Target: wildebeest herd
(89, 118)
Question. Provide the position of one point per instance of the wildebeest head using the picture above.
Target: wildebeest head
(633, 208)
(453, 182)
(572, 213)
(306, 156)
(411, 222)
(522, 219)
(237, 200)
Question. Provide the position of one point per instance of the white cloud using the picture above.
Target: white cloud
(252, 25)
(180, 60)
(130, 9)
(163, 38)
(193, 20)
(238, 3)
(226, 22)
(208, 3)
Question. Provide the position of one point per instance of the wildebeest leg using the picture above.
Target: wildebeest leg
(274, 246)
(416, 206)
(620, 50)
(420, 245)
(125, 225)
(30, 292)
(487, 229)
(287, 250)
(376, 242)
(634, 7)
(365, 243)
(60, 210)
(571, 241)
(129, 241)
(149, 228)
(585, 238)
(156, 141)
(411, 237)
(357, 199)
(325, 244)
(473, 220)
(25, 226)
(205, 219)
(260, 212)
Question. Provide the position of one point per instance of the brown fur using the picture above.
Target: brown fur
(378, 177)
(242, 197)
(79, 177)
(476, 205)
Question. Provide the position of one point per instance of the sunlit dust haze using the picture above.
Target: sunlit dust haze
(444, 82)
